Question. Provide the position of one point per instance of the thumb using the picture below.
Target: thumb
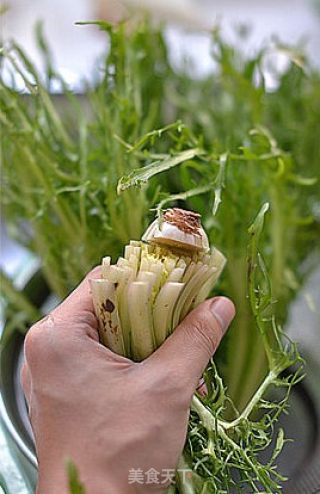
(185, 354)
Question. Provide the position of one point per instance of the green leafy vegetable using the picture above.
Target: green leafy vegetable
(225, 453)
(219, 144)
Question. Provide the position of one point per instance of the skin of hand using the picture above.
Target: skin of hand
(104, 412)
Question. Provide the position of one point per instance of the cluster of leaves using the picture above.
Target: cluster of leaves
(226, 453)
(68, 164)
(80, 177)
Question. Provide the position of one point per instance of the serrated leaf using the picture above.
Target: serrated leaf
(141, 176)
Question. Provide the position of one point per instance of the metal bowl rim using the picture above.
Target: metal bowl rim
(13, 432)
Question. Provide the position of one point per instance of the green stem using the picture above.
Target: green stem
(277, 238)
(183, 196)
(255, 370)
(185, 483)
(207, 419)
(238, 354)
(269, 379)
(83, 179)
(47, 103)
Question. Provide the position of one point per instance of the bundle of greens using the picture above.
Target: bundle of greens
(81, 174)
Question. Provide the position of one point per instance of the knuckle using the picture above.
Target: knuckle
(208, 332)
(34, 342)
(41, 342)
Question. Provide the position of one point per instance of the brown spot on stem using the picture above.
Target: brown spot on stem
(108, 306)
(114, 329)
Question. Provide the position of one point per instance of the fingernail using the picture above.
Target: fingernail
(224, 311)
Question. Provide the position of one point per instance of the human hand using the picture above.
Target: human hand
(107, 414)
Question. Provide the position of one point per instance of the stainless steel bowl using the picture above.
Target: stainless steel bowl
(14, 413)
(13, 407)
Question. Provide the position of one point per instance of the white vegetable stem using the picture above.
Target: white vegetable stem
(142, 298)
(143, 341)
(105, 304)
(163, 310)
